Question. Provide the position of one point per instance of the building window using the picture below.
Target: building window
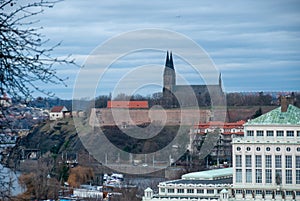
(288, 149)
(257, 148)
(180, 190)
(250, 133)
(248, 176)
(258, 176)
(248, 191)
(258, 192)
(297, 176)
(269, 192)
(210, 191)
(190, 190)
(238, 161)
(290, 133)
(268, 149)
(162, 190)
(288, 177)
(268, 161)
(239, 191)
(270, 133)
(238, 148)
(298, 133)
(288, 192)
(278, 193)
(277, 161)
(248, 149)
(268, 176)
(298, 149)
(277, 148)
(297, 161)
(200, 191)
(278, 176)
(257, 161)
(259, 133)
(248, 161)
(279, 133)
(238, 175)
(171, 190)
(288, 162)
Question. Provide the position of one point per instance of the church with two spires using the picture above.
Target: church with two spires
(188, 95)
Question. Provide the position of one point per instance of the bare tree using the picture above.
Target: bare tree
(39, 184)
(26, 60)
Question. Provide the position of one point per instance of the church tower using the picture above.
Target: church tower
(169, 74)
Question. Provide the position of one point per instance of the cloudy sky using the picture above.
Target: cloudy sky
(254, 44)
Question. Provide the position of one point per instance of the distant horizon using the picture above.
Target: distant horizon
(147, 95)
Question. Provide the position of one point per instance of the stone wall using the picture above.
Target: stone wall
(108, 117)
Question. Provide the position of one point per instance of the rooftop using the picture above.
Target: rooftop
(277, 117)
(209, 174)
(58, 109)
(203, 182)
(128, 104)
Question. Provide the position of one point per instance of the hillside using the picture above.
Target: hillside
(57, 138)
(49, 138)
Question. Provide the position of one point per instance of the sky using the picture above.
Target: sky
(254, 44)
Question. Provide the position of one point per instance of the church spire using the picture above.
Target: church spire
(171, 61)
(220, 80)
(167, 59)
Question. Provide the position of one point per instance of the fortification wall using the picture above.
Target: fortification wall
(109, 117)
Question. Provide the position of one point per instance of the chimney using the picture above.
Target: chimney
(285, 101)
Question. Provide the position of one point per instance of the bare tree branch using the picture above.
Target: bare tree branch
(25, 60)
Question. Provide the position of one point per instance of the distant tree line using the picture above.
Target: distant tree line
(258, 99)
(232, 99)
(240, 99)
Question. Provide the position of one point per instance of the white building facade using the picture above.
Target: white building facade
(266, 162)
(211, 185)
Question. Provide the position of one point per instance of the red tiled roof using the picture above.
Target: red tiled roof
(57, 108)
(220, 124)
(128, 104)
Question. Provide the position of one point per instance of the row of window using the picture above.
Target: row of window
(268, 176)
(189, 191)
(268, 161)
(270, 133)
(267, 192)
(288, 149)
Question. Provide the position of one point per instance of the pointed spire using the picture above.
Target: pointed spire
(220, 80)
(167, 59)
(171, 61)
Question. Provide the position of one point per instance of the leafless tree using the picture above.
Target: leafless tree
(26, 58)
(39, 184)
(26, 61)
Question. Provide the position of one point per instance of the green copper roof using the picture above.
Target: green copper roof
(209, 174)
(276, 117)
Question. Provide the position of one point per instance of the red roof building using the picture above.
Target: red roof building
(226, 128)
(58, 112)
(58, 109)
(128, 104)
(214, 139)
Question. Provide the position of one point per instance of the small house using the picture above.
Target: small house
(58, 112)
